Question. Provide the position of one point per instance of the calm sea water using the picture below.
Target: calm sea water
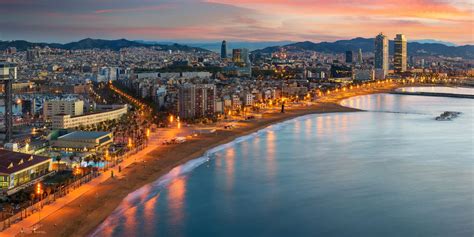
(392, 171)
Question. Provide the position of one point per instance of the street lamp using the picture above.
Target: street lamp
(39, 191)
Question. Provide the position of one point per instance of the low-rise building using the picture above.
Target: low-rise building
(80, 140)
(17, 169)
(64, 121)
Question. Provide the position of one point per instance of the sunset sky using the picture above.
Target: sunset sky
(236, 20)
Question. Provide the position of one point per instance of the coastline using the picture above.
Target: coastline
(82, 216)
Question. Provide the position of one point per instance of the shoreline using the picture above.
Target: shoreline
(83, 215)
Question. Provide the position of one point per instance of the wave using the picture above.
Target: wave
(151, 190)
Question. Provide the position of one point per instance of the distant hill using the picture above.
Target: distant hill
(367, 45)
(89, 43)
(431, 41)
(216, 46)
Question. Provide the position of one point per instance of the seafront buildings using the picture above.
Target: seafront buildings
(197, 101)
(400, 53)
(79, 109)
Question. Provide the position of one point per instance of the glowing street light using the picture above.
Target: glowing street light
(39, 189)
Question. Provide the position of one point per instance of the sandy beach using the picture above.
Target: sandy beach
(85, 213)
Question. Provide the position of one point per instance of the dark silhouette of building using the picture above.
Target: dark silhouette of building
(224, 49)
(349, 56)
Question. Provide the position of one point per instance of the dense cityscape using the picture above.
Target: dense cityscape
(72, 117)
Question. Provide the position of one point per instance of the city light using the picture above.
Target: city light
(39, 189)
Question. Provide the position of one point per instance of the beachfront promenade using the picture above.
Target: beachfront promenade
(27, 225)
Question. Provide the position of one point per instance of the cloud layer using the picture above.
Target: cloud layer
(250, 20)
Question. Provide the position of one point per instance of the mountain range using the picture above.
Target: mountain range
(340, 46)
(89, 43)
(367, 45)
(216, 46)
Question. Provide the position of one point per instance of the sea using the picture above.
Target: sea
(389, 170)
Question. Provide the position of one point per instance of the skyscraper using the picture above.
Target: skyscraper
(349, 56)
(400, 56)
(381, 55)
(359, 57)
(224, 49)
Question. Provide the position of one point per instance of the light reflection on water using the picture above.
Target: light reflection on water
(345, 174)
(453, 90)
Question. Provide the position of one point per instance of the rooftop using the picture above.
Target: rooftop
(79, 135)
(11, 162)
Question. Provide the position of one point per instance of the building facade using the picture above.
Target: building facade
(224, 49)
(196, 101)
(349, 56)
(68, 121)
(66, 107)
(400, 54)
(381, 53)
(17, 169)
(78, 140)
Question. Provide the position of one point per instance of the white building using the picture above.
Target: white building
(68, 121)
(248, 99)
(64, 107)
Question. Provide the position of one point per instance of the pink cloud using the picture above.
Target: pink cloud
(136, 9)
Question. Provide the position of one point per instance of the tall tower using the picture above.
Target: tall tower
(381, 53)
(224, 49)
(400, 56)
(7, 75)
(359, 57)
(349, 56)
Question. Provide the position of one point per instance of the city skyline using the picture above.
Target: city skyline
(235, 20)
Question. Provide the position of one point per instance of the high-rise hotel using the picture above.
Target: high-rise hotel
(381, 56)
(400, 54)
